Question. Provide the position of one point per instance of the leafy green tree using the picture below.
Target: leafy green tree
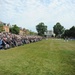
(66, 33)
(58, 29)
(72, 31)
(41, 28)
(14, 29)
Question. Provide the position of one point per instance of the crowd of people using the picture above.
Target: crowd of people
(8, 40)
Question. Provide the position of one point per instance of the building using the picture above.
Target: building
(49, 33)
(4, 27)
(24, 31)
(21, 32)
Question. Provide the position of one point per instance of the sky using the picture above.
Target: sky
(29, 13)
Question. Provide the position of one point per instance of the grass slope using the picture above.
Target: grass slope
(47, 57)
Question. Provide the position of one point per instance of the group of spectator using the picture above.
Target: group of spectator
(8, 40)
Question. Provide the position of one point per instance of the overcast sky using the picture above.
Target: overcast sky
(28, 13)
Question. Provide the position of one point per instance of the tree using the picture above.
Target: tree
(41, 28)
(66, 33)
(14, 29)
(58, 29)
(72, 31)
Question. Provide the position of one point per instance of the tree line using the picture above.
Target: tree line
(58, 29)
(41, 28)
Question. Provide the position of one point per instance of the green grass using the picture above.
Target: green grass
(46, 57)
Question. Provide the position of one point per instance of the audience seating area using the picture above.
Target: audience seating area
(8, 40)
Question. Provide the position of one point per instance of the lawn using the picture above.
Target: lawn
(46, 57)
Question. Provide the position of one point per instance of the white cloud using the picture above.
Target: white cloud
(28, 13)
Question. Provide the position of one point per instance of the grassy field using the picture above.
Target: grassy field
(46, 57)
